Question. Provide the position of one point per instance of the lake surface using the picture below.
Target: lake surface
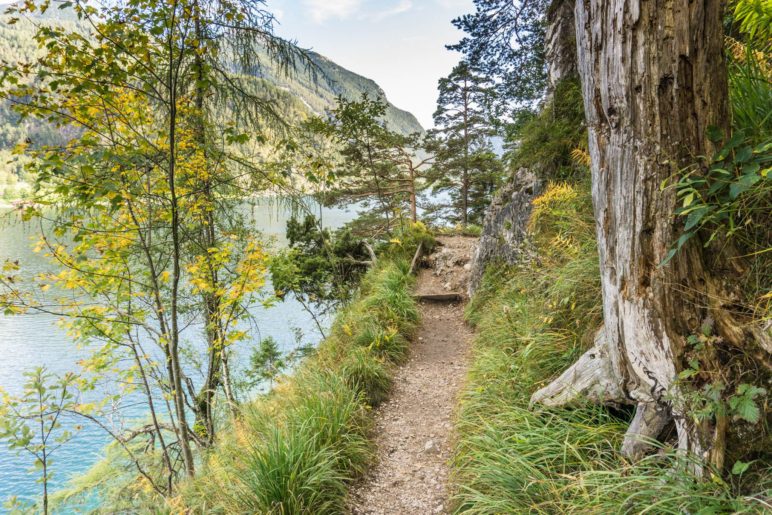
(28, 341)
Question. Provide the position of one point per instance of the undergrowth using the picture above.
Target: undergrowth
(544, 141)
(532, 323)
(297, 449)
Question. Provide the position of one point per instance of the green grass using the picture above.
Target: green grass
(533, 322)
(297, 449)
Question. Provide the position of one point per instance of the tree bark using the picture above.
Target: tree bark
(653, 79)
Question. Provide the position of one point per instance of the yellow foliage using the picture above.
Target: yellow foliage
(739, 53)
(581, 156)
(555, 193)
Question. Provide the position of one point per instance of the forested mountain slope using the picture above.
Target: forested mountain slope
(309, 89)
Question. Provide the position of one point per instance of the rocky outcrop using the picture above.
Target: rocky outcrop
(504, 232)
(560, 43)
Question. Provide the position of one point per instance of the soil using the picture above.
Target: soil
(414, 428)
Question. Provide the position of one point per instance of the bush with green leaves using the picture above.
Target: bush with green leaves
(320, 268)
(32, 424)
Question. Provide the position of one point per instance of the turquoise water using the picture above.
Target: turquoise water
(27, 341)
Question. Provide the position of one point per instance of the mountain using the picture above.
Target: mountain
(302, 92)
(319, 87)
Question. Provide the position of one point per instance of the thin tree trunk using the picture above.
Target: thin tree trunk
(174, 338)
(215, 336)
(44, 460)
(413, 203)
(654, 79)
(465, 172)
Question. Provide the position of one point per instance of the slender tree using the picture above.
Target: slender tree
(465, 164)
(143, 225)
(379, 167)
(31, 423)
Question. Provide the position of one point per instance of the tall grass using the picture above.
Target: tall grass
(533, 322)
(296, 450)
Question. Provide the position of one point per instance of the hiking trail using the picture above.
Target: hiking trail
(414, 427)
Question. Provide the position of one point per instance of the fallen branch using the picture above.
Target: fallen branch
(373, 257)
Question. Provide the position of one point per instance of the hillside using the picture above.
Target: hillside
(300, 93)
(319, 88)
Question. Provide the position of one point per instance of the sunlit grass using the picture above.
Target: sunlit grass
(298, 449)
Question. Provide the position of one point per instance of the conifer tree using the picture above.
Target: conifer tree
(465, 165)
(379, 167)
(506, 42)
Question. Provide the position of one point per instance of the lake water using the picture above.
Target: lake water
(28, 341)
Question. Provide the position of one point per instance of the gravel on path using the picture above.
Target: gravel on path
(413, 429)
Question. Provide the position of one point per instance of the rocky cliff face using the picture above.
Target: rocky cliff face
(504, 230)
(560, 44)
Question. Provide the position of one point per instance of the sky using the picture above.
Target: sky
(400, 44)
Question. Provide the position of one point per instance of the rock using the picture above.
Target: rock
(504, 236)
(560, 44)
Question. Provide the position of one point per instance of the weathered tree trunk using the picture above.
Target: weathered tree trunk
(653, 78)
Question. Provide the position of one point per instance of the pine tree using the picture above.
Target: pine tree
(379, 167)
(465, 164)
(506, 42)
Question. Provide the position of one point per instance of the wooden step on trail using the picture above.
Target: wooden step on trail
(439, 297)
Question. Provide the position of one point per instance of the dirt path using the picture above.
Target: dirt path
(414, 427)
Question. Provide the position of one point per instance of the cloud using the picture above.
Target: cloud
(456, 4)
(402, 7)
(322, 10)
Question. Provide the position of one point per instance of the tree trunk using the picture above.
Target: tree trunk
(467, 151)
(413, 201)
(653, 78)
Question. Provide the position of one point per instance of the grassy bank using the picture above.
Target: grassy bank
(297, 449)
(533, 321)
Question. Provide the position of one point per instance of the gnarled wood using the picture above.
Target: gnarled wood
(653, 79)
(595, 376)
(647, 424)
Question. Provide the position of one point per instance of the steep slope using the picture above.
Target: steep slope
(308, 90)
(318, 87)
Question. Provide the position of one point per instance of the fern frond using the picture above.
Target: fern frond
(580, 157)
